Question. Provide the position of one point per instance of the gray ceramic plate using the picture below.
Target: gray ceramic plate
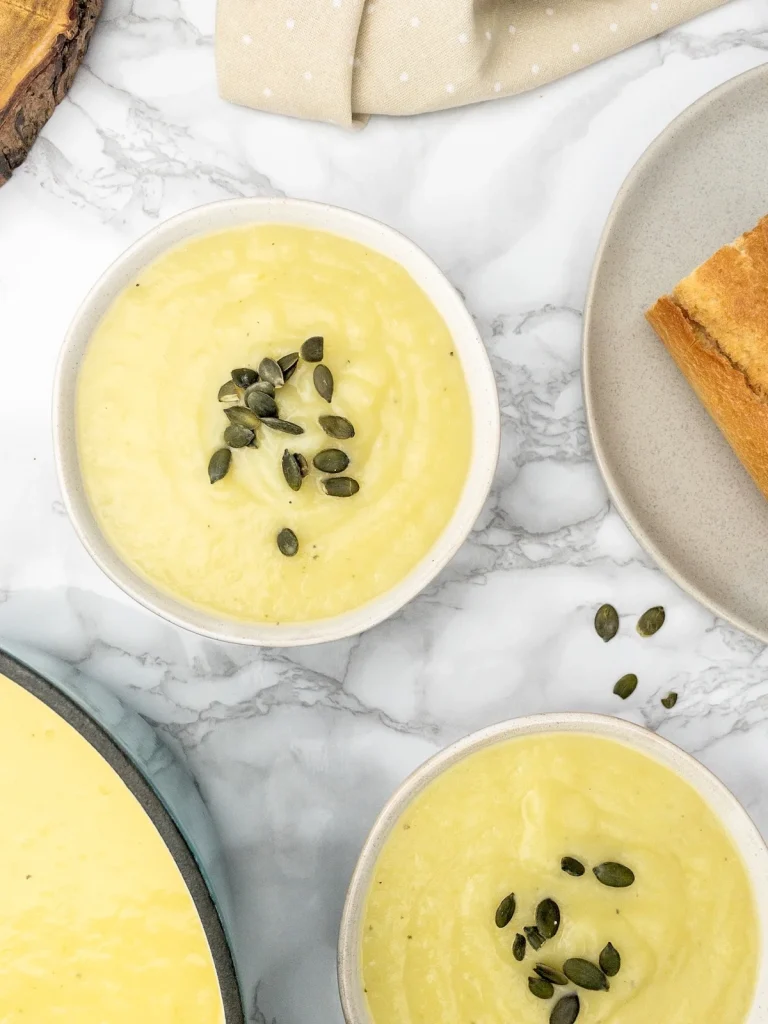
(670, 473)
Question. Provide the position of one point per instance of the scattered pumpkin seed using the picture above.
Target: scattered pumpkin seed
(650, 622)
(571, 866)
(287, 542)
(505, 911)
(255, 441)
(302, 463)
(260, 385)
(261, 403)
(323, 379)
(550, 974)
(238, 436)
(331, 460)
(337, 426)
(534, 936)
(548, 918)
(585, 974)
(291, 471)
(285, 425)
(219, 465)
(606, 622)
(244, 376)
(518, 947)
(617, 876)
(540, 988)
(228, 392)
(670, 700)
(270, 370)
(626, 686)
(341, 486)
(610, 961)
(243, 416)
(565, 1010)
(312, 350)
(288, 364)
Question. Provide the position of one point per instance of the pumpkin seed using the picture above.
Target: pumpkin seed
(540, 988)
(505, 911)
(571, 866)
(285, 425)
(323, 379)
(312, 350)
(244, 377)
(288, 364)
(260, 385)
(534, 936)
(548, 918)
(650, 622)
(255, 441)
(337, 426)
(550, 974)
(610, 961)
(302, 464)
(518, 947)
(287, 542)
(606, 622)
(228, 392)
(331, 460)
(626, 686)
(670, 700)
(261, 403)
(617, 876)
(585, 974)
(291, 471)
(565, 1010)
(238, 436)
(341, 486)
(244, 417)
(270, 370)
(219, 465)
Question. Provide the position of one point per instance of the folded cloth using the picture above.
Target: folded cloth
(341, 60)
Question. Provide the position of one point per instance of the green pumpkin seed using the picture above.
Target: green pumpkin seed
(337, 426)
(534, 936)
(626, 686)
(261, 403)
(285, 425)
(540, 988)
(323, 379)
(219, 465)
(228, 392)
(505, 911)
(610, 961)
(312, 350)
(670, 700)
(331, 460)
(260, 385)
(287, 542)
(270, 370)
(606, 622)
(302, 464)
(288, 364)
(565, 1010)
(291, 471)
(244, 377)
(585, 974)
(650, 622)
(571, 866)
(238, 436)
(341, 486)
(550, 974)
(617, 876)
(245, 418)
(518, 947)
(548, 918)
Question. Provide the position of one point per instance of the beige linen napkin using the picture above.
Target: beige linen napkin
(340, 60)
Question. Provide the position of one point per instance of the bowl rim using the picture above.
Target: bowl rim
(97, 737)
(217, 216)
(739, 826)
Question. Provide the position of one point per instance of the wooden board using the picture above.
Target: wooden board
(41, 45)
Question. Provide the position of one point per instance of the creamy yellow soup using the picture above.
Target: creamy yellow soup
(97, 925)
(148, 420)
(500, 822)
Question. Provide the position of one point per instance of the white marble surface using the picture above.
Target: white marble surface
(296, 751)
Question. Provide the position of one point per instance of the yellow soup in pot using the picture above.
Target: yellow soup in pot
(500, 822)
(97, 925)
(148, 421)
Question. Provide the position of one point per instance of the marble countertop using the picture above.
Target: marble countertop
(296, 750)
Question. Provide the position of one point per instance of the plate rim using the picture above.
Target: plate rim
(623, 506)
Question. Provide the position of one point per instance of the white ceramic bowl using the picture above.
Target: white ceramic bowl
(469, 347)
(729, 811)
